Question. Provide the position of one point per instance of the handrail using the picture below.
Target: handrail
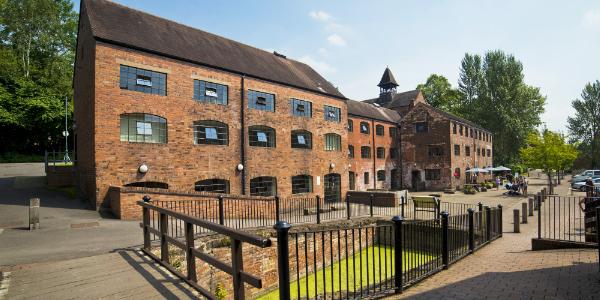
(235, 234)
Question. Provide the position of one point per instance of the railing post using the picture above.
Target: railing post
(189, 246)
(471, 230)
(480, 206)
(348, 212)
(277, 218)
(530, 206)
(445, 248)
(488, 223)
(398, 220)
(500, 229)
(516, 225)
(221, 210)
(283, 259)
(539, 205)
(146, 222)
(164, 246)
(318, 198)
(524, 213)
(371, 204)
(237, 265)
(402, 203)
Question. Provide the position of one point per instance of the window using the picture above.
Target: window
(214, 185)
(364, 127)
(472, 133)
(432, 174)
(467, 151)
(144, 81)
(211, 133)
(454, 128)
(421, 127)
(261, 101)
(350, 125)
(393, 132)
(301, 108)
(263, 186)
(149, 184)
(333, 142)
(457, 173)
(379, 130)
(395, 180)
(332, 113)
(435, 151)
(351, 181)
(366, 177)
(460, 130)
(302, 184)
(457, 150)
(261, 136)
(393, 153)
(209, 92)
(143, 128)
(350, 151)
(365, 152)
(380, 152)
(381, 175)
(489, 153)
(301, 139)
(478, 151)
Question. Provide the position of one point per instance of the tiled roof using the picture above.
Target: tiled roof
(371, 111)
(121, 25)
(387, 79)
(399, 99)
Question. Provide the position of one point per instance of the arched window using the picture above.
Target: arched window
(333, 142)
(149, 184)
(365, 152)
(302, 184)
(214, 185)
(379, 130)
(380, 152)
(364, 127)
(143, 128)
(263, 186)
(211, 133)
(381, 175)
(301, 139)
(261, 136)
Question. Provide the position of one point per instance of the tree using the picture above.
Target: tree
(439, 93)
(495, 96)
(548, 151)
(585, 125)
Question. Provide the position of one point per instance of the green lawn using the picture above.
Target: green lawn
(353, 276)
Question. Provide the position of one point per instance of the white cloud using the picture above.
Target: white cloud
(320, 66)
(336, 40)
(322, 51)
(591, 19)
(320, 15)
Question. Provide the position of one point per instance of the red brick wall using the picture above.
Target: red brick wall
(180, 163)
(462, 161)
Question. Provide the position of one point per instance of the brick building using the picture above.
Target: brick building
(436, 147)
(373, 147)
(160, 104)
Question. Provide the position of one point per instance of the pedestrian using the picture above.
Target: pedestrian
(498, 183)
(525, 184)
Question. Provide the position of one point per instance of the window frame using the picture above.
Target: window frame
(381, 175)
(336, 110)
(335, 145)
(366, 178)
(222, 91)
(456, 147)
(433, 174)
(350, 151)
(144, 118)
(295, 103)
(366, 125)
(350, 125)
(253, 140)
(362, 152)
(213, 183)
(295, 182)
(379, 130)
(435, 154)
(254, 96)
(211, 124)
(426, 126)
(377, 151)
(262, 180)
(307, 139)
(131, 80)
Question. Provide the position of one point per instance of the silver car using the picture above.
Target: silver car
(580, 185)
(583, 176)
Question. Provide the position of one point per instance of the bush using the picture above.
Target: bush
(469, 190)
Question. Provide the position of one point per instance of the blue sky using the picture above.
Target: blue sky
(351, 42)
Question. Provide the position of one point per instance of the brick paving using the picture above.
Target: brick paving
(508, 269)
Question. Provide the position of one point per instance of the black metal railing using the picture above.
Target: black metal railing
(235, 268)
(372, 260)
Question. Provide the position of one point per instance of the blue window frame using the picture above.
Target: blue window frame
(301, 108)
(261, 101)
(332, 113)
(210, 92)
(140, 80)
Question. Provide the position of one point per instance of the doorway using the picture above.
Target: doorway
(415, 179)
(333, 187)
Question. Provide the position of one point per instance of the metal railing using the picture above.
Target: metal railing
(54, 159)
(367, 261)
(167, 217)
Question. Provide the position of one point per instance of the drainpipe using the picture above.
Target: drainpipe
(374, 155)
(243, 137)
(399, 149)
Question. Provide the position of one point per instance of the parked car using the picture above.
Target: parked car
(580, 185)
(585, 174)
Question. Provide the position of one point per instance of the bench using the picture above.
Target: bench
(427, 204)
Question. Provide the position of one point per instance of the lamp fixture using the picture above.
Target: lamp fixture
(143, 168)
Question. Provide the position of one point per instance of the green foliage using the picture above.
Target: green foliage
(440, 94)
(585, 125)
(37, 46)
(495, 96)
(220, 291)
(548, 151)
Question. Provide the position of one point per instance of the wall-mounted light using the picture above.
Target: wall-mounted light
(331, 165)
(143, 168)
(240, 167)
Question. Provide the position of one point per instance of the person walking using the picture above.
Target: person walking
(525, 184)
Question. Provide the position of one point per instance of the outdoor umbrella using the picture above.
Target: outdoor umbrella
(502, 168)
(477, 170)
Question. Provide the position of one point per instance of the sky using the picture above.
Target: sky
(351, 42)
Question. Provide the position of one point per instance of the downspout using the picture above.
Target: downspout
(399, 150)
(374, 154)
(243, 138)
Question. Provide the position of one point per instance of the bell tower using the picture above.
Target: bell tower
(387, 87)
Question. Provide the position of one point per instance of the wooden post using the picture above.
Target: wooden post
(190, 258)
(516, 223)
(146, 222)
(530, 200)
(164, 244)
(524, 213)
(237, 266)
(34, 213)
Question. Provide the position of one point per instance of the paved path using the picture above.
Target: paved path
(508, 269)
(118, 275)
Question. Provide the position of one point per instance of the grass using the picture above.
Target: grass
(12, 157)
(353, 275)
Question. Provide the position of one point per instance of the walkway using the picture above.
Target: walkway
(508, 269)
